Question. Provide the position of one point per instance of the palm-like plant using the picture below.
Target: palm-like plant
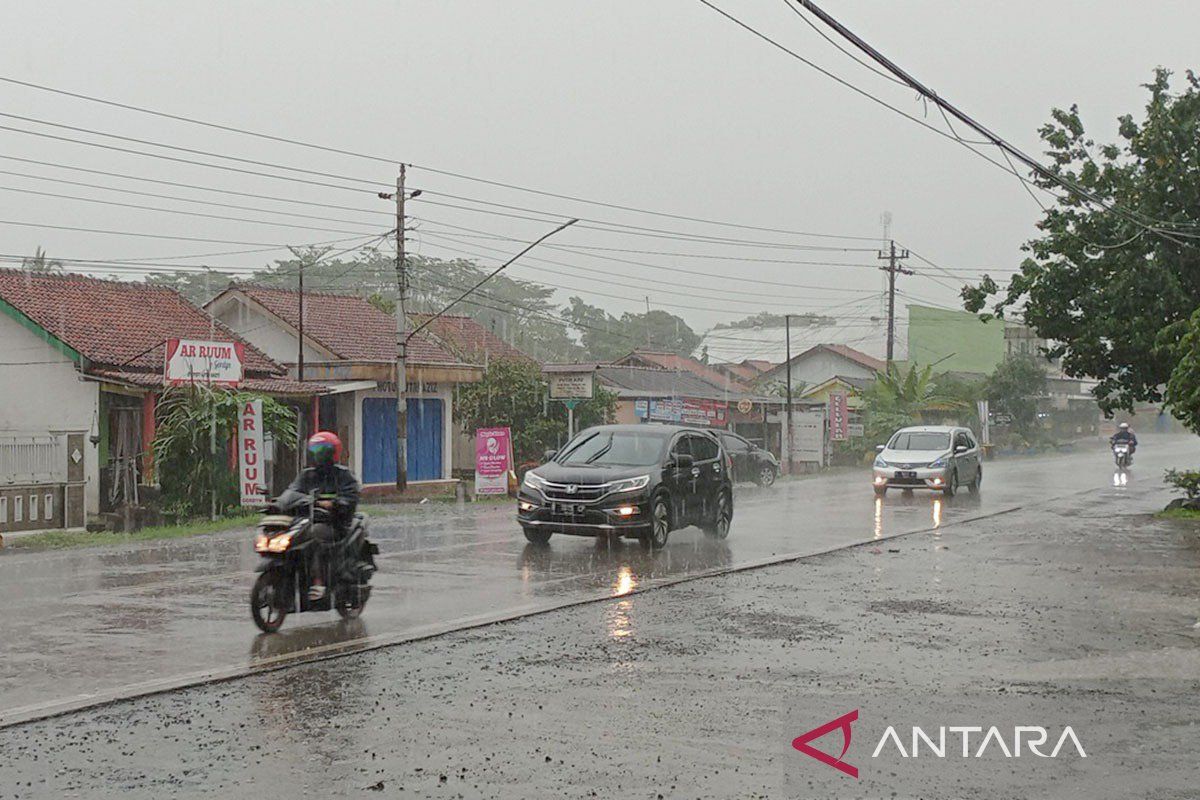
(900, 398)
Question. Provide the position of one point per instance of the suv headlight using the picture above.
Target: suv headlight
(630, 484)
(879, 462)
(534, 481)
(938, 464)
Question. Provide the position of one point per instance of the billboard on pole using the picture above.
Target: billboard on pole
(196, 361)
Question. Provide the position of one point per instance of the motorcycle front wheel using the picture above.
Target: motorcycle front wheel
(265, 603)
(352, 606)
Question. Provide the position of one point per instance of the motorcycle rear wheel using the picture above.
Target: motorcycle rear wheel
(268, 616)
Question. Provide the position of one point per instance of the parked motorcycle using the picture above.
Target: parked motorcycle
(286, 543)
(1122, 454)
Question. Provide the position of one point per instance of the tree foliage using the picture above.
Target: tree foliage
(1014, 388)
(897, 399)
(768, 319)
(606, 337)
(40, 262)
(1115, 297)
(513, 394)
(187, 472)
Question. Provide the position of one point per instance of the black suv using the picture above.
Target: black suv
(750, 462)
(630, 480)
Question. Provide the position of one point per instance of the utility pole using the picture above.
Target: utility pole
(892, 257)
(212, 416)
(791, 461)
(300, 316)
(401, 342)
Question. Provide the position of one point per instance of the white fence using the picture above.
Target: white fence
(32, 458)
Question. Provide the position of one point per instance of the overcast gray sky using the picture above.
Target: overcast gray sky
(660, 104)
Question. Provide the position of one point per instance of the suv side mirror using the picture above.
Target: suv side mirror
(960, 448)
(879, 448)
(549, 455)
(683, 461)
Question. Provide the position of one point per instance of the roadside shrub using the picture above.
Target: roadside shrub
(1187, 479)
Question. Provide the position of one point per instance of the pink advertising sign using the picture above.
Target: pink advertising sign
(493, 460)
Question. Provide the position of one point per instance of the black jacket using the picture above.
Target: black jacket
(1125, 436)
(333, 480)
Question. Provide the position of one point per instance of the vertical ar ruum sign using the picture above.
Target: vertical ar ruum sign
(839, 417)
(195, 361)
(251, 464)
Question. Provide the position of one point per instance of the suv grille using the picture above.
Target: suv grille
(583, 492)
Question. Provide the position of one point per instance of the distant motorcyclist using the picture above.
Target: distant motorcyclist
(1125, 435)
(324, 477)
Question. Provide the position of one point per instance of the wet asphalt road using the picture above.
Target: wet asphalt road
(85, 626)
(1081, 611)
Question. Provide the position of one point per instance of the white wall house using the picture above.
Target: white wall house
(350, 348)
(822, 362)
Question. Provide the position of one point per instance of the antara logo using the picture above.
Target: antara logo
(1032, 737)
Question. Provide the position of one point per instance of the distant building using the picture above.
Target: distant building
(350, 346)
(954, 341)
(81, 370)
(820, 363)
(673, 361)
(865, 332)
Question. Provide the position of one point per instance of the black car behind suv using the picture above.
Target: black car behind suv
(630, 480)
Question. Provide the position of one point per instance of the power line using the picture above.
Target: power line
(994, 139)
(393, 161)
(117, 204)
(135, 233)
(725, 277)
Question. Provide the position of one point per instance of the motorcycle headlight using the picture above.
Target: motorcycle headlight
(280, 543)
(534, 481)
(630, 484)
(879, 462)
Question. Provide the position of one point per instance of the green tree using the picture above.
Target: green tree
(513, 394)
(767, 319)
(1014, 388)
(187, 473)
(606, 337)
(1115, 298)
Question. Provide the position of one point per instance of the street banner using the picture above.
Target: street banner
(710, 413)
(195, 361)
(839, 417)
(252, 478)
(493, 460)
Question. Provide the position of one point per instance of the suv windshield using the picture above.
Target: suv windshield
(620, 448)
(920, 440)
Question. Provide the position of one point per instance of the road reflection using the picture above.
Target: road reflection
(291, 641)
(617, 567)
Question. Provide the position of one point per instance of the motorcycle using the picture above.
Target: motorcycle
(1122, 454)
(285, 542)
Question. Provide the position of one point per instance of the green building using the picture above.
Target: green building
(956, 341)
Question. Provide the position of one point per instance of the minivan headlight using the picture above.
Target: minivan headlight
(879, 462)
(630, 484)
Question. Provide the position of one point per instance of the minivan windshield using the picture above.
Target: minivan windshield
(920, 440)
(615, 448)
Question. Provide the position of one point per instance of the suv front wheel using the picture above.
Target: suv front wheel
(660, 525)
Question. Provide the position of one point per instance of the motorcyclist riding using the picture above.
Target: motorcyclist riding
(326, 477)
(1125, 435)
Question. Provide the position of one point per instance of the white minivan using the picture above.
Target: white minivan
(943, 458)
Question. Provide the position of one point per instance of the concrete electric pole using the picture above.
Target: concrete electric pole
(401, 341)
(893, 267)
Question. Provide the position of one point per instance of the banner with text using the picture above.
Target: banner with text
(193, 361)
(252, 477)
(493, 460)
(839, 417)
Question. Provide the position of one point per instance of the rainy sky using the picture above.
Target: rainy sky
(661, 105)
